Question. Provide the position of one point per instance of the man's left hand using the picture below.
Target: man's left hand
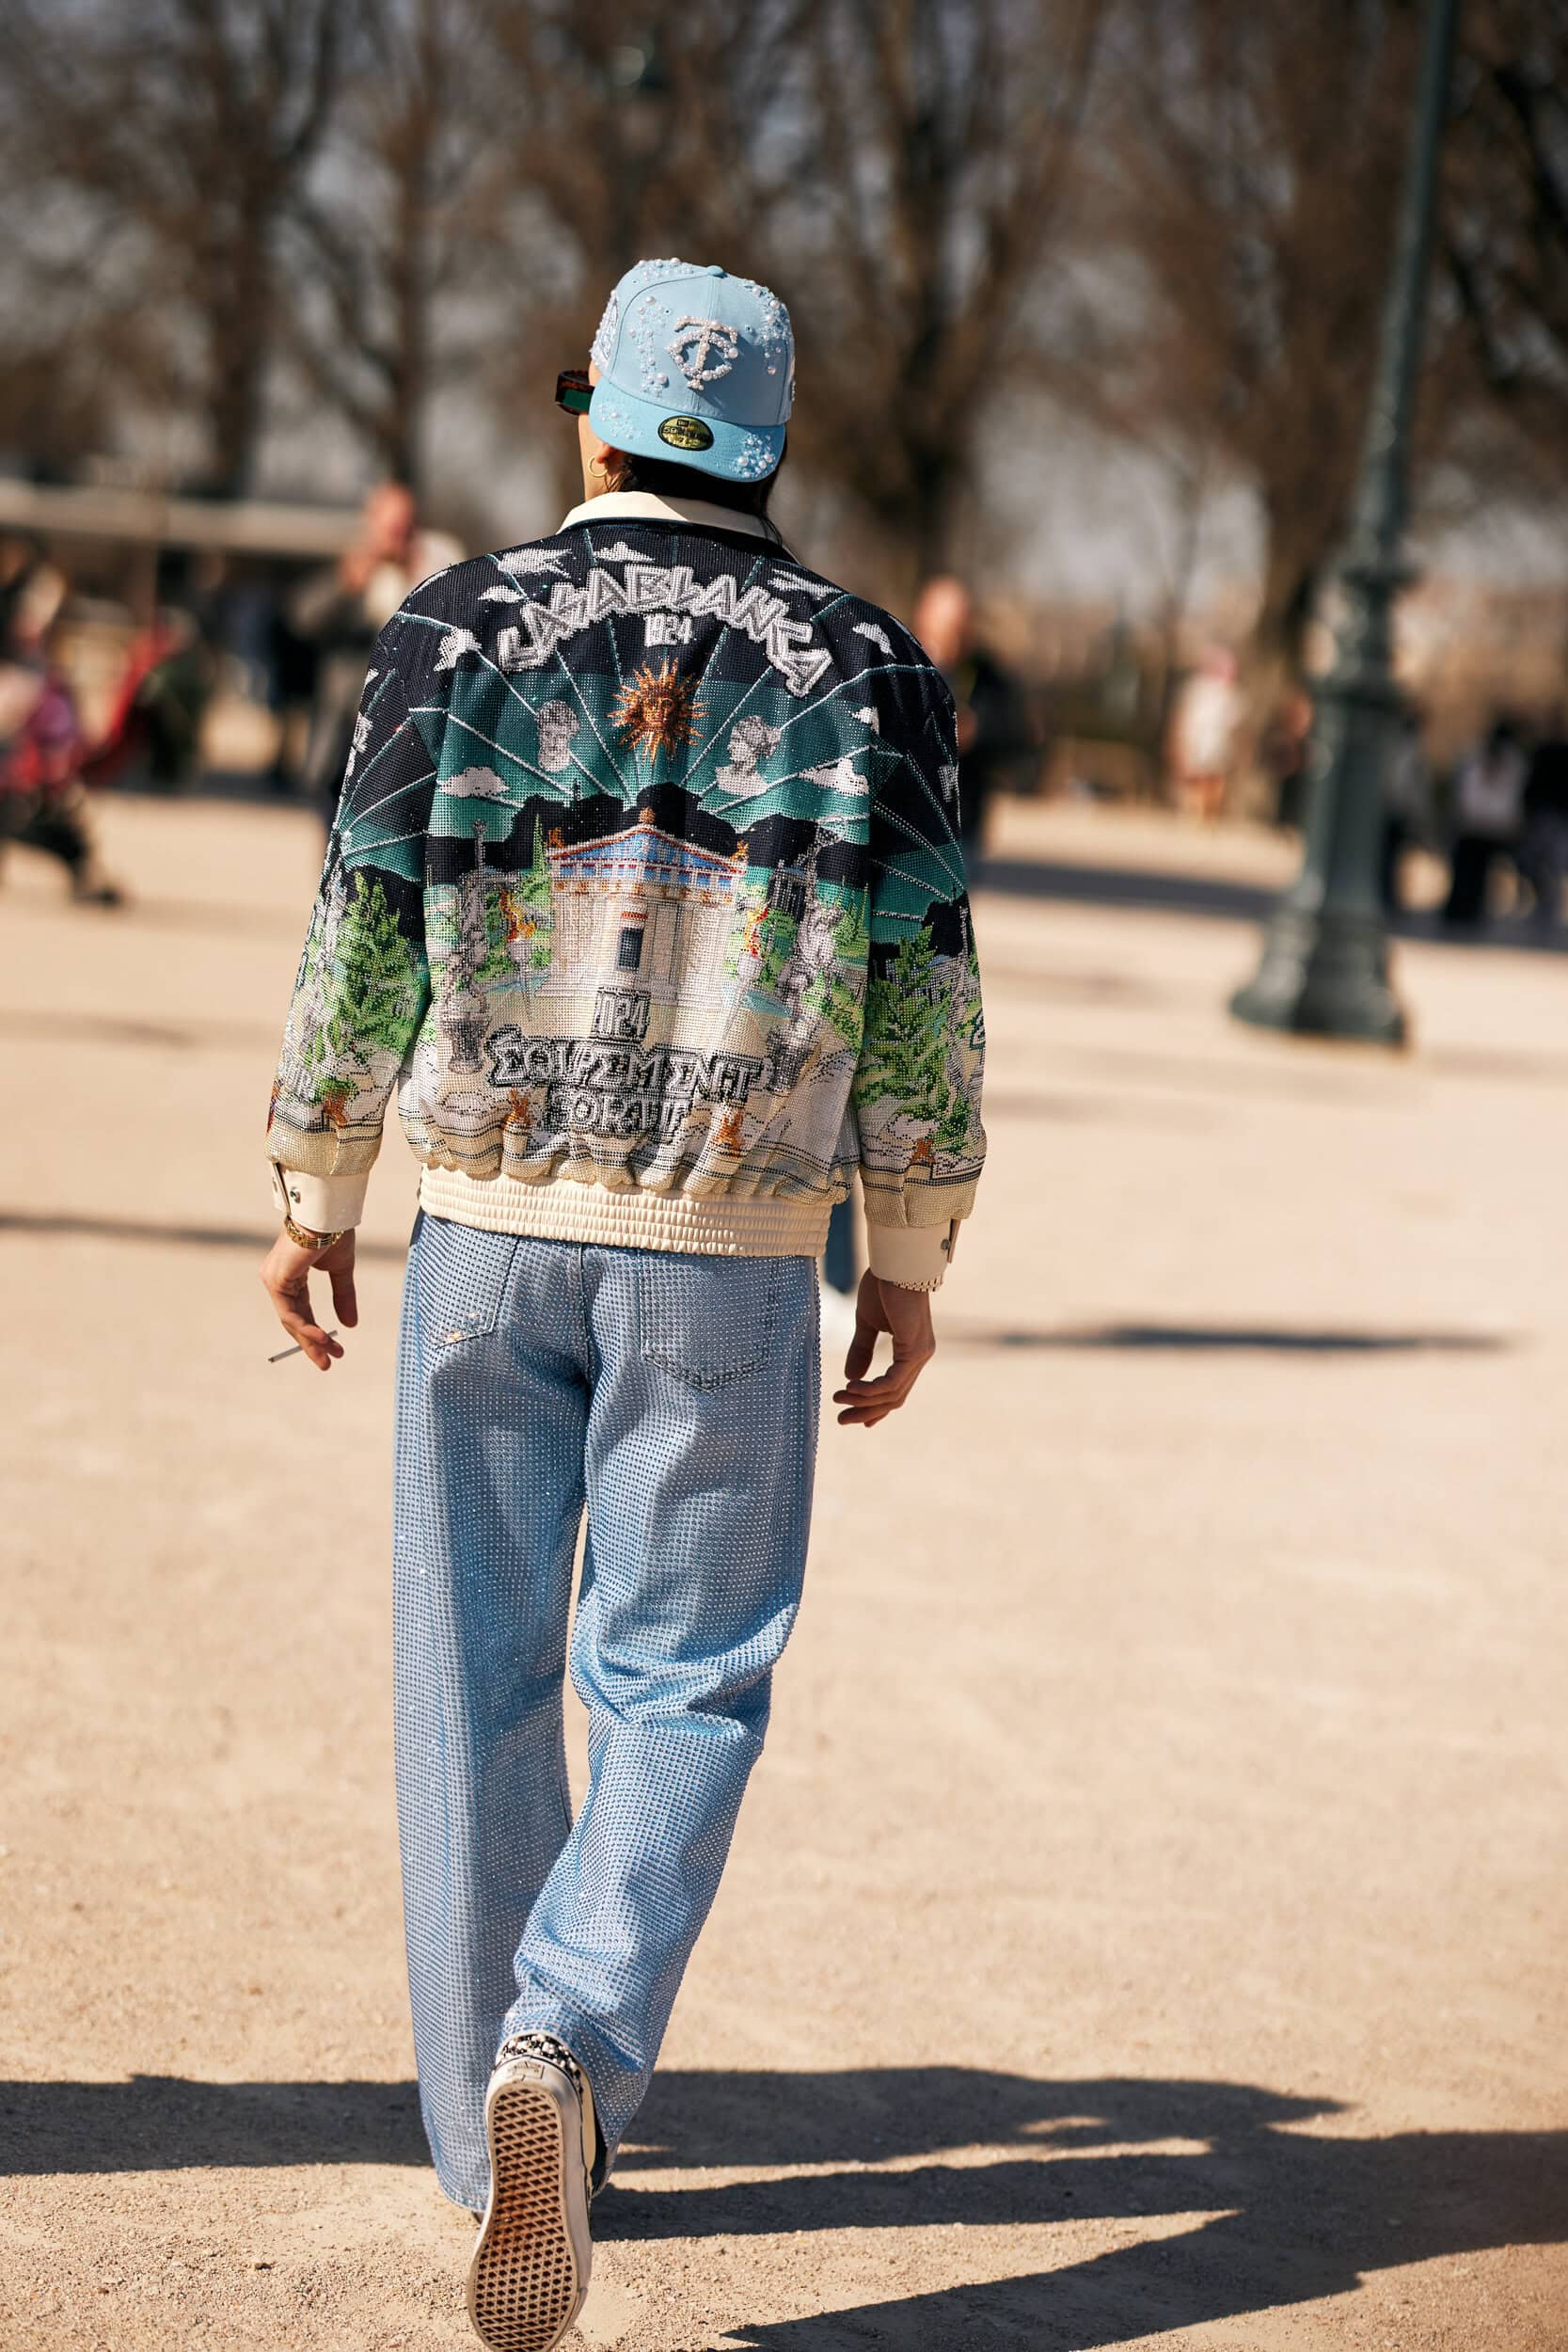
(906, 1316)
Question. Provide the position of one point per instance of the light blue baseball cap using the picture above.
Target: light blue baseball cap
(695, 367)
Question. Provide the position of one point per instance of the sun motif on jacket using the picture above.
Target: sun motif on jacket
(658, 711)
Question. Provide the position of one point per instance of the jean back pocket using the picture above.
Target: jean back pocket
(464, 1279)
(710, 1322)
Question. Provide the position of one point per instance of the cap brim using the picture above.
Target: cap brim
(736, 453)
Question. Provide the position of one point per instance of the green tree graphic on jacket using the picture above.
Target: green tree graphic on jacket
(374, 993)
(905, 1040)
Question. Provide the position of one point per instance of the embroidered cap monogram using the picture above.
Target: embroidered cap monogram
(693, 343)
(694, 361)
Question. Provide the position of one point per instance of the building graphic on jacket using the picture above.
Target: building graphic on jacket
(645, 905)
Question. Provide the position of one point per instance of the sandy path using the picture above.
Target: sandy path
(1146, 1924)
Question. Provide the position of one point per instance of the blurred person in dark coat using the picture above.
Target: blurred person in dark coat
(1543, 851)
(1406, 803)
(993, 728)
(342, 610)
(1282, 755)
(1489, 797)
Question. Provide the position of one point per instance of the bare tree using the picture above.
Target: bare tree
(176, 132)
(1505, 236)
(1250, 168)
(636, 127)
(894, 167)
(398, 225)
(920, 215)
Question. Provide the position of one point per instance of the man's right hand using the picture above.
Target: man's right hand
(906, 1316)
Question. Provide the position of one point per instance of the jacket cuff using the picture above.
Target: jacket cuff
(910, 1257)
(327, 1204)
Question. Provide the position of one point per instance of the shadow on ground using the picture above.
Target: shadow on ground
(1279, 2215)
(1195, 1339)
(1214, 896)
(163, 2122)
(65, 1224)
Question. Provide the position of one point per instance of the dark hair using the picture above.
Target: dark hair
(668, 480)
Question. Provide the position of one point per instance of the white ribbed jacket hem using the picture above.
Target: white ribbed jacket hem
(565, 1210)
(913, 1256)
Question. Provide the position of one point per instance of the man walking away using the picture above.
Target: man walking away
(644, 896)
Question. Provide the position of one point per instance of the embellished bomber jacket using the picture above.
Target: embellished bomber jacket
(644, 896)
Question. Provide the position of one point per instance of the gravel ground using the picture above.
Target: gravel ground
(1146, 1928)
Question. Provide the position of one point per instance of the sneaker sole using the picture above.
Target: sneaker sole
(528, 2274)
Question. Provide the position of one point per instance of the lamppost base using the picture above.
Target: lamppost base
(1323, 973)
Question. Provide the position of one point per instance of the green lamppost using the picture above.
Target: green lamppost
(1325, 952)
(641, 90)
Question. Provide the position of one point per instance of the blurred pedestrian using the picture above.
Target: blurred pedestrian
(43, 801)
(1406, 803)
(341, 609)
(995, 733)
(1488, 812)
(1282, 755)
(644, 895)
(1544, 850)
(153, 734)
(1203, 733)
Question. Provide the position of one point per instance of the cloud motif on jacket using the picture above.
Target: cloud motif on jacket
(475, 784)
(796, 583)
(868, 717)
(453, 646)
(620, 553)
(877, 636)
(525, 559)
(751, 739)
(839, 775)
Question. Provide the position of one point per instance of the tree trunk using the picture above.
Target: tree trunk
(1293, 569)
(407, 392)
(239, 335)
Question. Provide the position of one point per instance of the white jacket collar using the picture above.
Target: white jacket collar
(649, 506)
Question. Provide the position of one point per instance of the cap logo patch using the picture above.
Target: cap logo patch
(686, 433)
(695, 342)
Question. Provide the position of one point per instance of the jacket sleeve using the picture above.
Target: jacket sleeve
(916, 1091)
(363, 985)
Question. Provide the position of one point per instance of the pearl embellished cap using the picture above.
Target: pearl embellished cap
(696, 366)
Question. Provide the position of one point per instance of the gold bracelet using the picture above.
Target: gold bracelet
(303, 1237)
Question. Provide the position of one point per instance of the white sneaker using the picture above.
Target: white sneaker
(531, 2263)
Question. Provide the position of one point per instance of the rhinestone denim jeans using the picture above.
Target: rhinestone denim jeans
(675, 1398)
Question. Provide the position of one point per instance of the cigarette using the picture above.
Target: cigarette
(297, 1349)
